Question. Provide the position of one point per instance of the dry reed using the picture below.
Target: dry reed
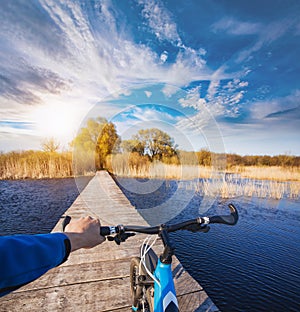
(261, 182)
(275, 173)
(35, 164)
(121, 167)
(245, 188)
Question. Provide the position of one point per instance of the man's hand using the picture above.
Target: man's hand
(84, 233)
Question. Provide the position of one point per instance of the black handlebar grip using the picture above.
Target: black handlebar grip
(105, 230)
(231, 219)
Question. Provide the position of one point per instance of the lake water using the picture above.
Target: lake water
(35, 206)
(253, 266)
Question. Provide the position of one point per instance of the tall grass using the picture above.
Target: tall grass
(248, 188)
(35, 164)
(275, 173)
(126, 166)
(262, 182)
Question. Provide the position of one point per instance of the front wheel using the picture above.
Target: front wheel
(137, 290)
(150, 298)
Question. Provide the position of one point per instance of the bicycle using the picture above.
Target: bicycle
(151, 282)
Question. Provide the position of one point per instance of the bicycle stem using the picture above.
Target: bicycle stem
(166, 256)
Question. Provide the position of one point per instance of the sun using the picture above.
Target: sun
(56, 120)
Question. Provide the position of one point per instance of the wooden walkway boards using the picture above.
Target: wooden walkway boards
(98, 279)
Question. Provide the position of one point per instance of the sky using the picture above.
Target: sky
(222, 75)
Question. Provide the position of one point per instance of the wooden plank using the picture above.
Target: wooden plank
(91, 296)
(196, 302)
(98, 279)
(85, 273)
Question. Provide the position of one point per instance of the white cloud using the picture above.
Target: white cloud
(148, 94)
(168, 90)
(204, 112)
(221, 100)
(193, 100)
(164, 57)
(235, 27)
(142, 113)
(212, 89)
(235, 84)
(214, 84)
(268, 34)
(262, 109)
(160, 21)
(190, 64)
(11, 130)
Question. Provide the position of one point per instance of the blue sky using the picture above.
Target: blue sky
(217, 74)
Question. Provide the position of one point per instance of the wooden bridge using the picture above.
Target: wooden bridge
(98, 279)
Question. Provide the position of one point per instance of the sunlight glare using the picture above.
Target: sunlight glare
(58, 121)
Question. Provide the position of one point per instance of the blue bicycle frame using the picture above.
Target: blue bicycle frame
(164, 293)
(161, 275)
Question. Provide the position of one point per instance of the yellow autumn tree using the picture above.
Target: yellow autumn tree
(99, 138)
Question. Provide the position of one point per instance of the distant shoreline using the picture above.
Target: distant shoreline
(203, 164)
(260, 182)
(186, 172)
(178, 172)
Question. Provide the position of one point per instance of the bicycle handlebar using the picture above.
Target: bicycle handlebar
(190, 225)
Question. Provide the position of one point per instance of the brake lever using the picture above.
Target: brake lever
(120, 238)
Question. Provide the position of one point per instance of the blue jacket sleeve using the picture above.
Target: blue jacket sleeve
(23, 258)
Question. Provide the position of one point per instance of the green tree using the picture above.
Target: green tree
(152, 142)
(99, 137)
